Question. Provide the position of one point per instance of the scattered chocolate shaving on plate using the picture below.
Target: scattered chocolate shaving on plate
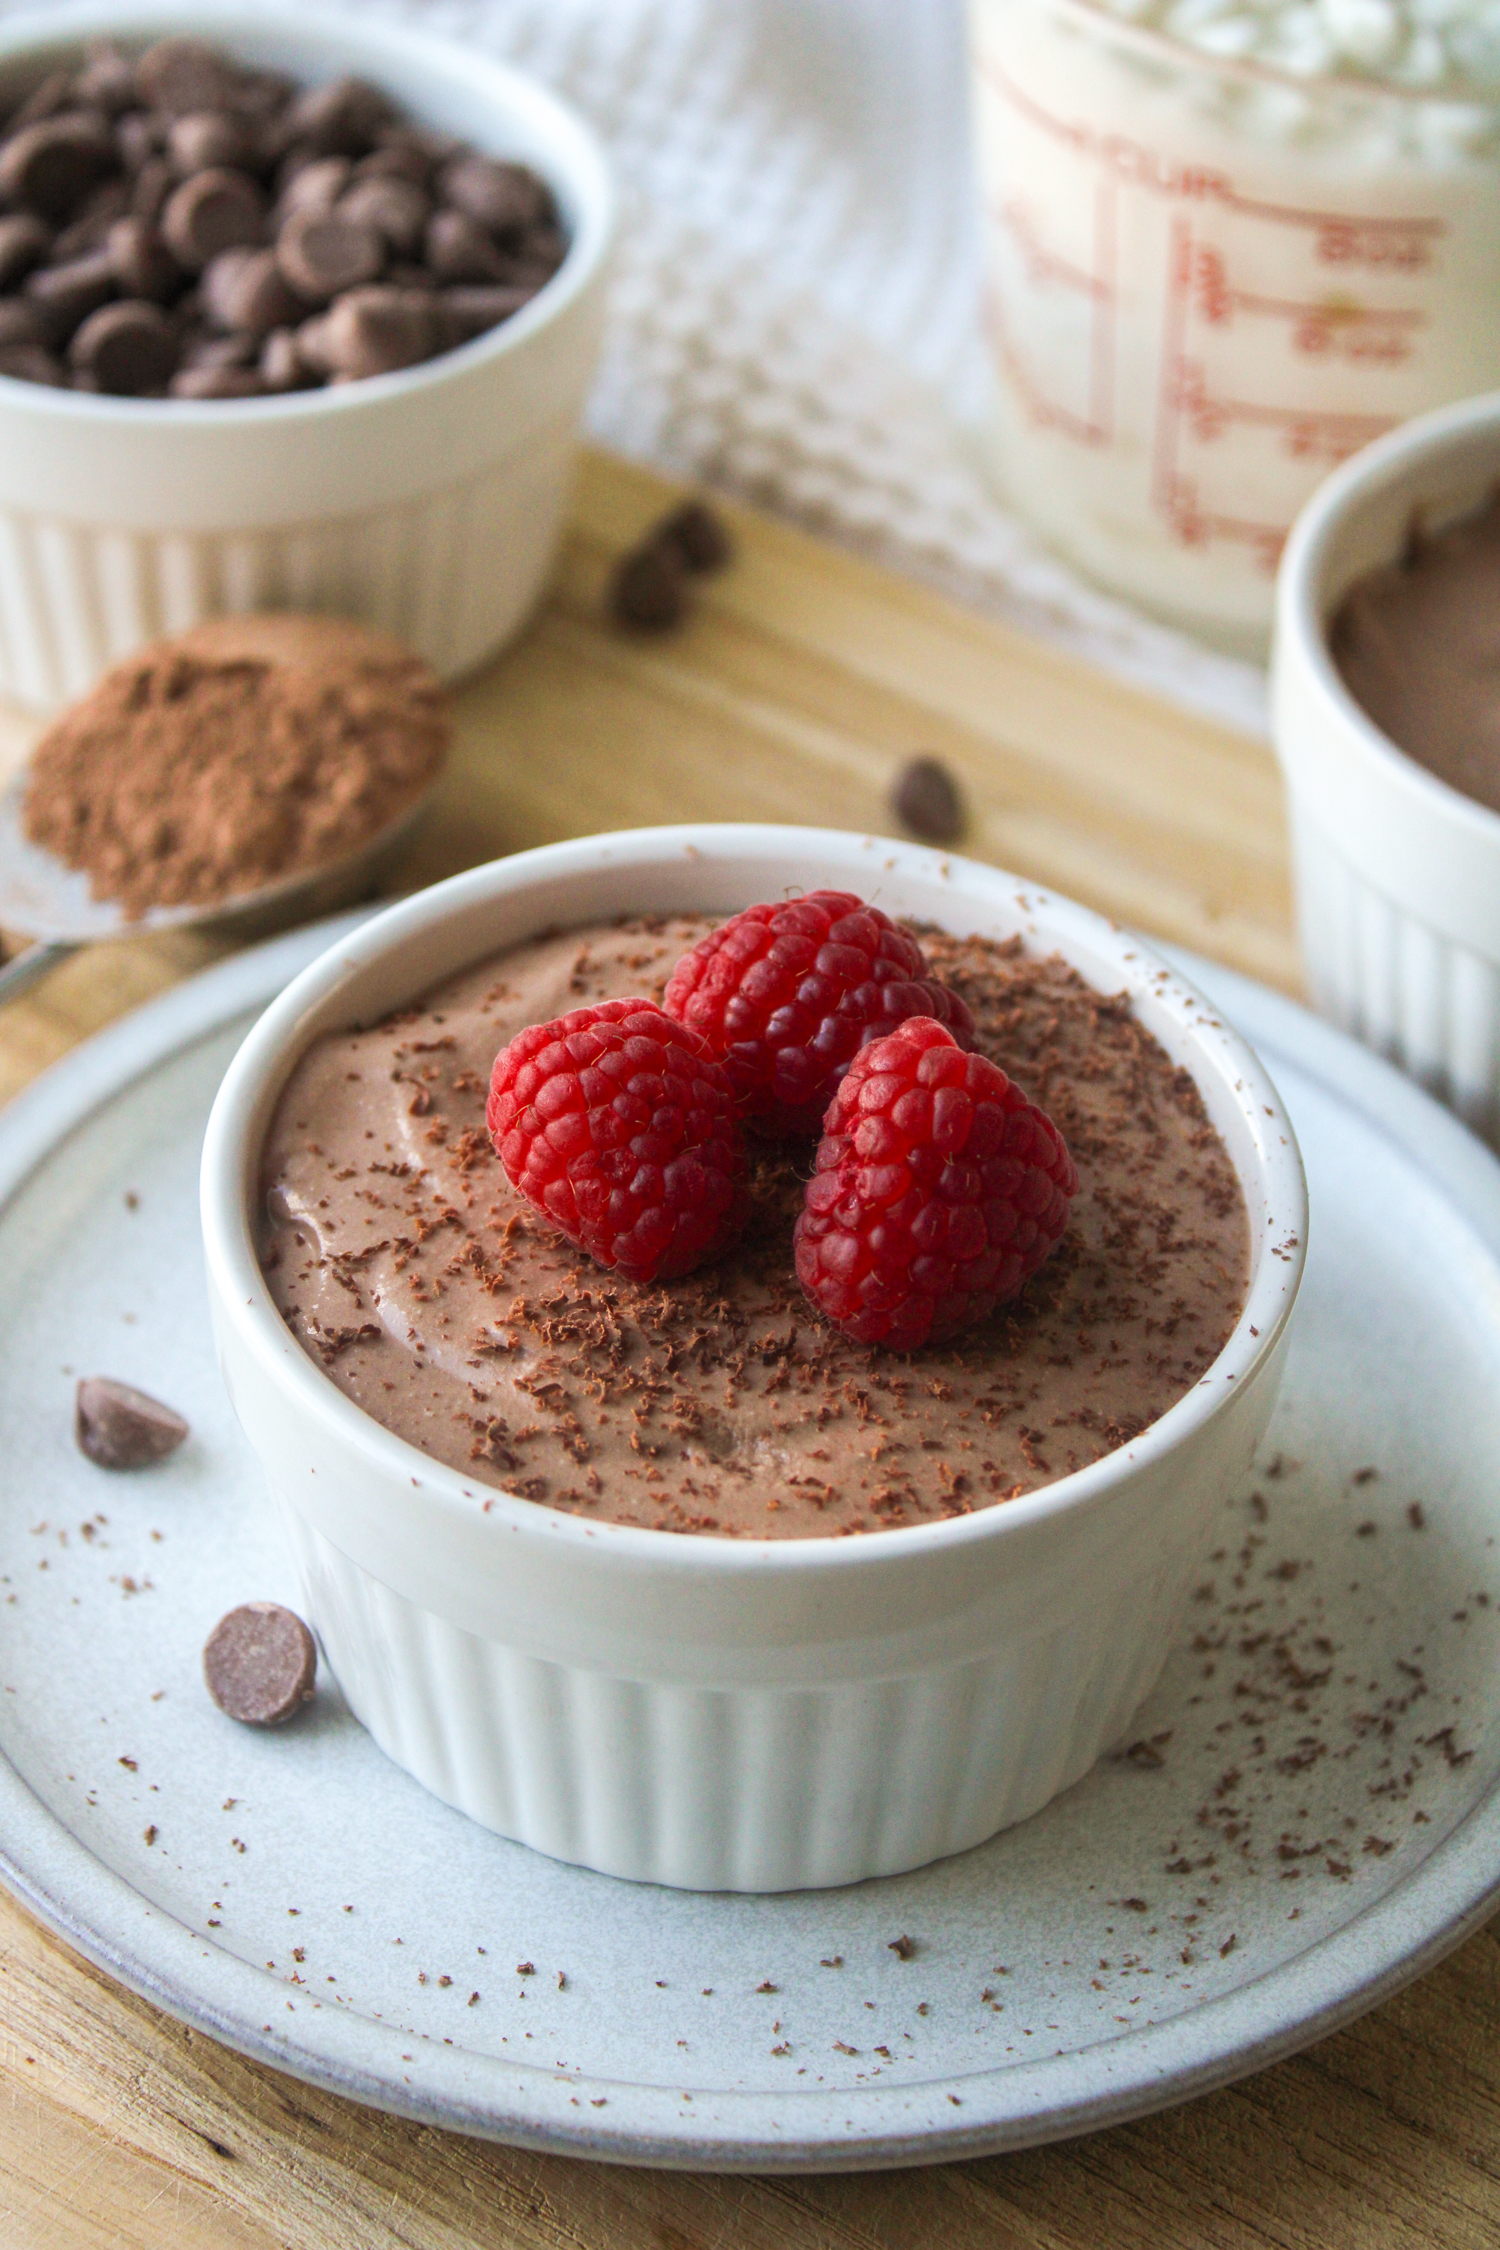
(259, 1662)
(119, 1427)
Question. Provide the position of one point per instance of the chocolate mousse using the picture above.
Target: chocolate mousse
(1418, 645)
(723, 1403)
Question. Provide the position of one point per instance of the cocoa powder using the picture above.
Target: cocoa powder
(244, 751)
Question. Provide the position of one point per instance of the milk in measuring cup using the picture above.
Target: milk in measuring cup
(1209, 283)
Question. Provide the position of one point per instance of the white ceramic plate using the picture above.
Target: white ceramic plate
(1309, 1816)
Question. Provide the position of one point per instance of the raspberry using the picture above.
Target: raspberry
(939, 1190)
(619, 1125)
(787, 995)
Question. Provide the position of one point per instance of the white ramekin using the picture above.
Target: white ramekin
(1398, 875)
(427, 502)
(712, 1713)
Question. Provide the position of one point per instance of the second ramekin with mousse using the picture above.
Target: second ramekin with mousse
(710, 1650)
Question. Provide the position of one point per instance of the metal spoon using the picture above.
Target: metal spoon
(49, 903)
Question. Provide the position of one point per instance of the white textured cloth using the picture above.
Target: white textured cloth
(795, 314)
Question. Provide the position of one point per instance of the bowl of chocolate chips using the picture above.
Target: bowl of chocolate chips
(295, 312)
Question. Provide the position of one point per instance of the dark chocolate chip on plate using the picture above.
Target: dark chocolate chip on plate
(119, 1427)
(260, 1662)
(926, 800)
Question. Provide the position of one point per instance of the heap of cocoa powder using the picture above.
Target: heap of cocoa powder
(246, 750)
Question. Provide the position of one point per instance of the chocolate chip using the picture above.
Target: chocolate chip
(212, 211)
(236, 350)
(24, 243)
(340, 119)
(89, 229)
(396, 209)
(50, 167)
(140, 137)
(260, 1662)
(397, 156)
(246, 289)
(310, 183)
(182, 75)
(51, 94)
(143, 265)
(648, 591)
(20, 323)
(28, 363)
(207, 140)
(323, 254)
(129, 348)
(465, 313)
(152, 185)
(699, 536)
(66, 295)
(506, 198)
(372, 332)
(216, 382)
(282, 367)
(119, 1427)
(926, 799)
(146, 184)
(106, 80)
(459, 249)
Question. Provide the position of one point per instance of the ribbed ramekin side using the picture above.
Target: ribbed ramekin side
(453, 573)
(745, 1788)
(1379, 971)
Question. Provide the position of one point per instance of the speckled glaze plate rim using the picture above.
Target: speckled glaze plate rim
(1378, 1950)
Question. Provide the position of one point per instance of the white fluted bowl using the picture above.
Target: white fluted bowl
(727, 1714)
(1398, 874)
(428, 503)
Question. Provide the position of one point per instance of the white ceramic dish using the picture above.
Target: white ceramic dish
(1394, 1365)
(726, 1714)
(427, 502)
(1398, 875)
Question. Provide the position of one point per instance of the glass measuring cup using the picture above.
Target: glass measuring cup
(1210, 282)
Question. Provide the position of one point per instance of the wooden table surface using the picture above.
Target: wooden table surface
(801, 683)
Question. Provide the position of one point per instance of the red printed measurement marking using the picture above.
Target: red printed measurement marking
(1366, 333)
(1405, 245)
(1194, 406)
(1045, 268)
(1187, 404)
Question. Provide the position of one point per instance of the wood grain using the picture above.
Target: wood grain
(803, 681)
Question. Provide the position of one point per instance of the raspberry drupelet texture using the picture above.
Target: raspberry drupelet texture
(619, 1125)
(786, 995)
(939, 1190)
